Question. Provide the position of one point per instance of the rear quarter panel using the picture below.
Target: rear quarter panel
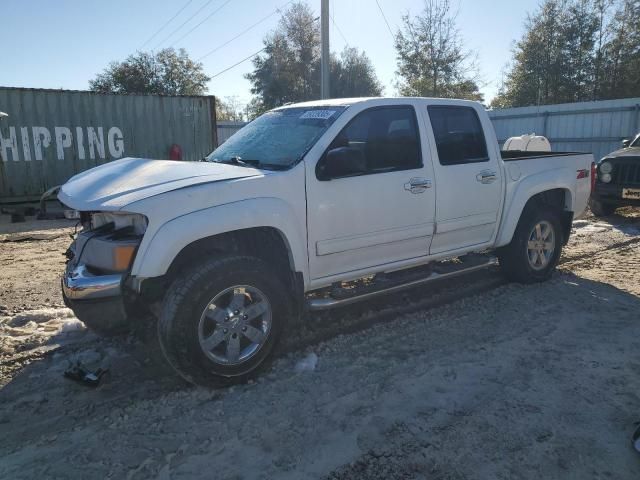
(528, 177)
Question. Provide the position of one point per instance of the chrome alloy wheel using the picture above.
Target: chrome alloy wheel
(234, 325)
(541, 245)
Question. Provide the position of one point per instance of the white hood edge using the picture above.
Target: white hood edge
(116, 184)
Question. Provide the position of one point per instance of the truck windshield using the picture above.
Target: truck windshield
(277, 139)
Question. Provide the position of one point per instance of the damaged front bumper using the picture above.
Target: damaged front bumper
(100, 260)
(79, 284)
(97, 300)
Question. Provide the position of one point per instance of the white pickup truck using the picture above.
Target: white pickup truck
(310, 206)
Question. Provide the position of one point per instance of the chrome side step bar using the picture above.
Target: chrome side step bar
(326, 303)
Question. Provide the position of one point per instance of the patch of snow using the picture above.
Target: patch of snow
(592, 228)
(72, 325)
(307, 364)
(580, 223)
(39, 316)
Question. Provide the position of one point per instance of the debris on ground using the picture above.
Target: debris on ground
(33, 236)
(81, 374)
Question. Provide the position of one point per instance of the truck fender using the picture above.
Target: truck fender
(560, 178)
(155, 256)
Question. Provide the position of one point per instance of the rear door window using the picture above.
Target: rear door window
(458, 134)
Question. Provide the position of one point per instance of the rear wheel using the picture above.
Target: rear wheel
(221, 321)
(535, 248)
(600, 209)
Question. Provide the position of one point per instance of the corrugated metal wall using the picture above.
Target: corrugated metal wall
(595, 127)
(226, 129)
(50, 135)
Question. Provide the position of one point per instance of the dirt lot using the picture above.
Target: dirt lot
(471, 379)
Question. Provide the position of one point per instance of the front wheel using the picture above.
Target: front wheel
(535, 248)
(221, 321)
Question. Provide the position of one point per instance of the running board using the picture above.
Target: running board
(315, 304)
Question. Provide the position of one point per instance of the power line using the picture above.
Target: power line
(262, 20)
(238, 63)
(204, 20)
(338, 29)
(385, 20)
(251, 56)
(184, 23)
(165, 24)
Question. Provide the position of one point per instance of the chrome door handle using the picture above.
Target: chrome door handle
(417, 185)
(487, 176)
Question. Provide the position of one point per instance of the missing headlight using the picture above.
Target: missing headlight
(135, 223)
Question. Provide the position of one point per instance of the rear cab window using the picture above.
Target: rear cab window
(458, 134)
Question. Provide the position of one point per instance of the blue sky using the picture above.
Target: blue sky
(64, 43)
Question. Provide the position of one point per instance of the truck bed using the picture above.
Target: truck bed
(513, 155)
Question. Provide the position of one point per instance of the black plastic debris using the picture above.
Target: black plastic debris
(86, 377)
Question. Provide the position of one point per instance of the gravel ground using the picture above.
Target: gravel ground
(31, 260)
(469, 379)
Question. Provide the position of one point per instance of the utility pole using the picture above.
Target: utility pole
(324, 58)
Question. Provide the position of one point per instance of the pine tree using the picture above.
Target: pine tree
(621, 77)
(575, 51)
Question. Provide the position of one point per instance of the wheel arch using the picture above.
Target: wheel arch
(535, 191)
(248, 227)
(267, 243)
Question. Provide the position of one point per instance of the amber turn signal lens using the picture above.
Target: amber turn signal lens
(122, 257)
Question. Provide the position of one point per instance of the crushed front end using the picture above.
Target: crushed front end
(95, 282)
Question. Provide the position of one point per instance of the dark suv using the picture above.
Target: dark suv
(617, 183)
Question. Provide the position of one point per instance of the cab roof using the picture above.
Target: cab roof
(346, 102)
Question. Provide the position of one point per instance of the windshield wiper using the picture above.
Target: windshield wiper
(252, 163)
(239, 161)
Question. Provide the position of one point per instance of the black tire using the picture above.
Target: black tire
(600, 209)
(514, 258)
(185, 302)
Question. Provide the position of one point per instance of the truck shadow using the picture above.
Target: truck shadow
(626, 220)
(139, 374)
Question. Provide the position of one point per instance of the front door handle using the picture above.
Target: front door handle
(417, 185)
(487, 176)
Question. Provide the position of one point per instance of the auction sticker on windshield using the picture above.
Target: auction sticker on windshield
(318, 114)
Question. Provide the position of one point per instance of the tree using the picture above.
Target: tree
(536, 76)
(431, 59)
(289, 69)
(230, 109)
(353, 75)
(602, 9)
(166, 72)
(575, 50)
(621, 72)
(579, 37)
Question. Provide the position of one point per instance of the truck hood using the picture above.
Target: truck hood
(115, 184)
(625, 152)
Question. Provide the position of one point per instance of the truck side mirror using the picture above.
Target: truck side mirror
(341, 162)
(625, 143)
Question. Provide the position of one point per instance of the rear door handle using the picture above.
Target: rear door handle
(487, 176)
(417, 185)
